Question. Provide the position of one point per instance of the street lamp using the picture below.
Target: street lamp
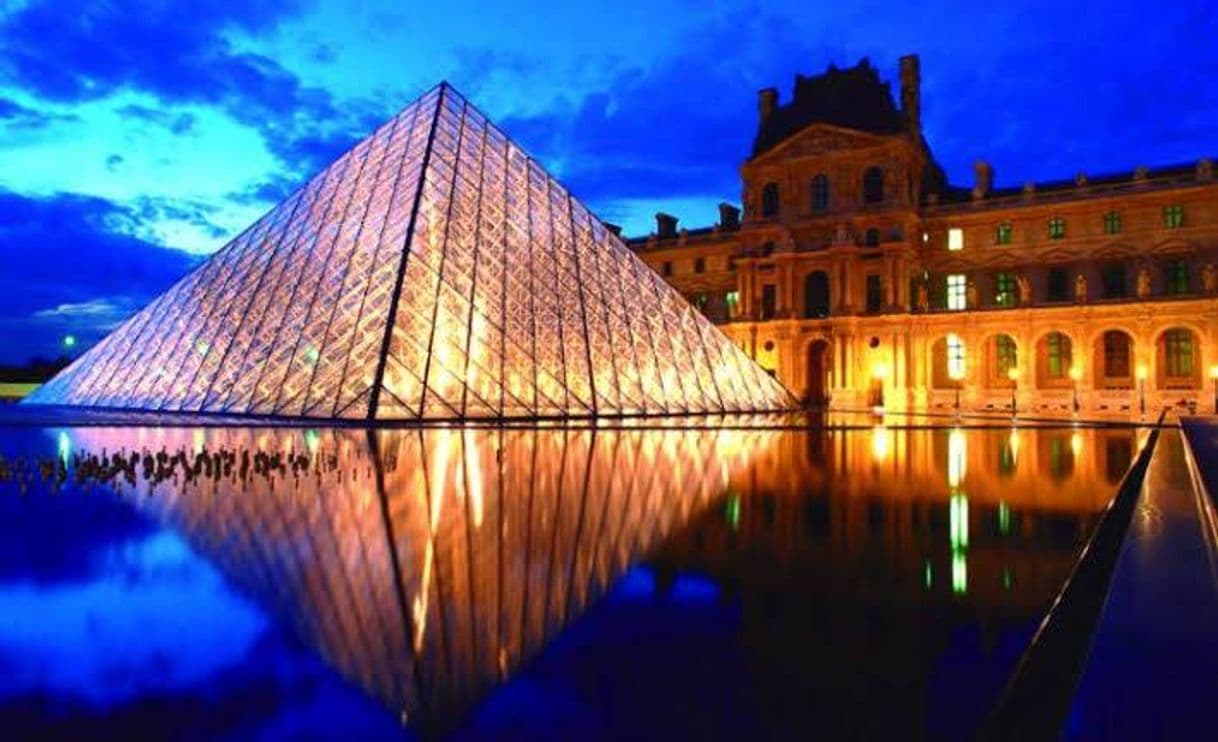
(956, 372)
(1076, 373)
(1013, 375)
(1214, 376)
(1141, 372)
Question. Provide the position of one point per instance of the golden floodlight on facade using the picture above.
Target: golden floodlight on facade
(432, 272)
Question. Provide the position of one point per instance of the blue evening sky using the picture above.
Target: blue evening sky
(137, 136)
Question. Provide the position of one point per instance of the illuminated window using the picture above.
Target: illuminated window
(955, 239)
(701, 300)
(1173, 216)
(955, 356)
(1005, 357)
(1112, 222)
(956, 299)
(732, 299)
(1116, 354)
(820, 194)
(1057, 228)
(769, 200)
(873, 185)
(1004, 289)
(1178, 353)
(1057, 284)
(1002, 235)
(699, 265)
(1057, 355)
(1176, 273)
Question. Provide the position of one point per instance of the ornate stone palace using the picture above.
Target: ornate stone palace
(860, 276)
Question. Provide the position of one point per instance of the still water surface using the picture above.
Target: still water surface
(534, 582)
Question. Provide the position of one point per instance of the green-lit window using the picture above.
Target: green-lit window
(700, 300)
(1057, 355)
(1004, 289)
(1057, 228)
(732, 299)
(1176, 275)
(1173, 216)
(1002, 235)
(1112, 222)
(1005, 355)
(1178, 353)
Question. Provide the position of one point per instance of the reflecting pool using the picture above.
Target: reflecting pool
(712, 581)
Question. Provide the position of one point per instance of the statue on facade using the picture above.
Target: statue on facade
(1080, 289)
(1143, 282)
(1209, 278)
(840, 235)
(923, 296)
(1025, 289)
(970, 294)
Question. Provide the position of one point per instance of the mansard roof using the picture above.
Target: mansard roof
(853, 98)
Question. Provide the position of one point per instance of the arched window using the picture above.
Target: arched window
(816, 295)
(769, 199)
(820, 194)
(873, 185)
(1177, 358)
(1115, 364)
(1054, 359)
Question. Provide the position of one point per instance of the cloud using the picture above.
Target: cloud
(16, 116)
(78, 50)
(70, 257)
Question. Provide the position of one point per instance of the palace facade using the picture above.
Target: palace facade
(859, 276)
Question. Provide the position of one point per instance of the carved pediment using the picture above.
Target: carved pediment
(821, 139)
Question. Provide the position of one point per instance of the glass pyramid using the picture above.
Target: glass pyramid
(434, 271)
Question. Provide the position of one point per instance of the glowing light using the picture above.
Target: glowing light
(957, 457)
(1013, 445)
(1013, 373)
(733, 511)
(64, 447)
(955, 357)
(1141, 372)
(1076, 444)
(1007, 579)
(880, 444)
(928, 574)
(1076, 373)
(312, 441)
(959, 573)
(958, 522)
(1214, 371)
(879, 371)
(1004, 518)
(69, 341)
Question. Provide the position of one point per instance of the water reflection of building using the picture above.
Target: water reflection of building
(904, 568)
(428, 565)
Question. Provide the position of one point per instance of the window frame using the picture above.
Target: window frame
(1057, 228)
(1006, 289)
(1173, 216)
(1112, 222)
(1004, 233)
(956, 292)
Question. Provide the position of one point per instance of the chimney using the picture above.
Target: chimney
(729, 217)
(911, 94)
(616, 229)
(767, 102)
(984, 179)
(666, 225)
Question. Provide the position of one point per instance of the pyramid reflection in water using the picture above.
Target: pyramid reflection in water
(428, 565)
(433, 271)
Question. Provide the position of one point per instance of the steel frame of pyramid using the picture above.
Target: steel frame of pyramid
(432, 272)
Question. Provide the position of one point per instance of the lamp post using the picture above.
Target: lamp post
(957, 375)
(1141, 372)
(1013, 375)
(1075, 374)
(1214, 376)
